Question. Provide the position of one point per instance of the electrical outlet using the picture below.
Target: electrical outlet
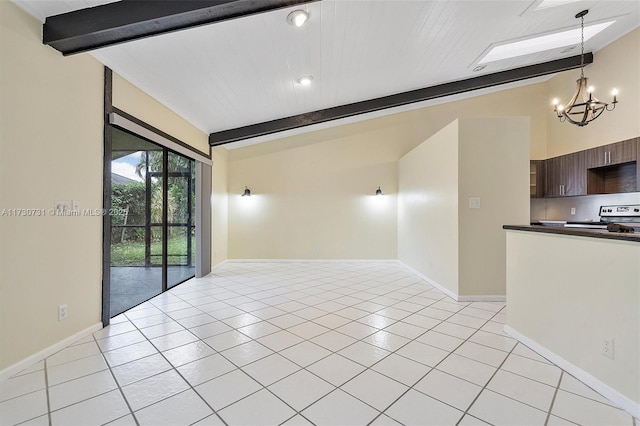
(573, 210)
(608, 348)
(474, 202)
(317, 250)
(62, 312)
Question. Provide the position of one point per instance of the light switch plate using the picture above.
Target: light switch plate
(474, 202)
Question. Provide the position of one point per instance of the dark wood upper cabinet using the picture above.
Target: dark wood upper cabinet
(566, 175)
(612, 154)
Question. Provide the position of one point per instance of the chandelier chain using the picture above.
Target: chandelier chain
(582, 47)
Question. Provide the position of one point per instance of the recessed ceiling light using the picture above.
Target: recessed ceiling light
(297, 18)
(305, 80)
(479, 68)
(541, 43)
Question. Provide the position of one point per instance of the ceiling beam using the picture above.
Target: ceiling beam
(126, 20)
(399, 99)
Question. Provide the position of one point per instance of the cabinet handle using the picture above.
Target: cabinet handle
(605, 157)
(609, 157)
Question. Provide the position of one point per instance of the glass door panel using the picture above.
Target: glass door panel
(136, 262)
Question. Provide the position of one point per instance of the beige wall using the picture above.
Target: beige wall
(460, 248)
(617, 65)
(493, 165)
(50, 149)
(134, 101)
(428, 208)
(588, 290)
(219, 206)
(314, 201)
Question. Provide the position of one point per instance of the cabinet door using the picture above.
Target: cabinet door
(574, 173)
(597, 157)
(553, 179)
(623, 152)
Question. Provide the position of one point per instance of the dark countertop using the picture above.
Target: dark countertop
(578, 232)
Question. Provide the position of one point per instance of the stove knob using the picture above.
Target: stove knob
(636, 210)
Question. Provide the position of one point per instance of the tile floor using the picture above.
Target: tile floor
(324, 343)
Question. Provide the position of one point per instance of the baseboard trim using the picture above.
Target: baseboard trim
(440, 287)
(482, 298)
(218, 264)
(310, 260)
(602, 388)
(48, 351)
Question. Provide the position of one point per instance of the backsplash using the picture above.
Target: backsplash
(587, 206)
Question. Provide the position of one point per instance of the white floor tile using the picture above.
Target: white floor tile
(571, 384)
(196, 321)
(336, 369)
(161, 329)
(209, 330)
(297, 420)
(424, 354)
(259, 329)
(485, 354)
(401, 369)
(212, 420)
(384, 339)
(308, 330)
(153, 389)
(80, 389)
(440, 340)
(404, 329)
(140, 369)
(383, 420)
(364, 353)
(449, 389)
(340, 409)
(75, 369)
(466, 320)
(73, 353)
(301, 389)
(38, 366)
(333, 340)
(435, 313)
(540, 371)
(184, 408)
(188, 353)
(352, 313)
(99, 410)
(377, 321)
(261, 408)
(585, 411)
(522, 389)
(394, 313)
(21, 385)
(500, 410)
(38, 421)
(247, 352)
(114, 329)
(366, 387)
(173, 340)
(129, 353)
(227, 389)
(467, 369)
(224, 341)
(23, 408)
(421, 321)
(305, 353)
(332, 321)
(286, 320)
(205, 369)
(469, 420)
(524, 351)
(125, 339)
(415, 408)
(455, 330)
(280, 340)
(503, 343)
(270, 369)
(127, 420)
(356, 330)
(241, 320)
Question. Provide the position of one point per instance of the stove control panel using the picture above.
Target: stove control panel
(631, 210)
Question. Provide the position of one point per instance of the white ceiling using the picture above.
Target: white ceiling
(243, 71)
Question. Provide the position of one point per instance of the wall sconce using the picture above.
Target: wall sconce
(247, 192)
(379, 191)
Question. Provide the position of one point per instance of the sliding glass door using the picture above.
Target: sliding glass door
(151, 220)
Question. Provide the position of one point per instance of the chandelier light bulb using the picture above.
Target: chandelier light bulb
(614, 92)
(555, 101)
(560, 107)
(590, 89)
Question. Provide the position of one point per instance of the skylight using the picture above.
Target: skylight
(553, 3)
(541, 43)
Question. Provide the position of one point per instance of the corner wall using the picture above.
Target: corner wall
(428, 208)
(219, 206)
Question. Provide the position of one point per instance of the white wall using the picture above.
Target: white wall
(569, 293)
(428, 208)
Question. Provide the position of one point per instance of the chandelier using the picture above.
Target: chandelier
(590, 108)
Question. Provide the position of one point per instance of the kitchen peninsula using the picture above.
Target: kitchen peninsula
(574, 297)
